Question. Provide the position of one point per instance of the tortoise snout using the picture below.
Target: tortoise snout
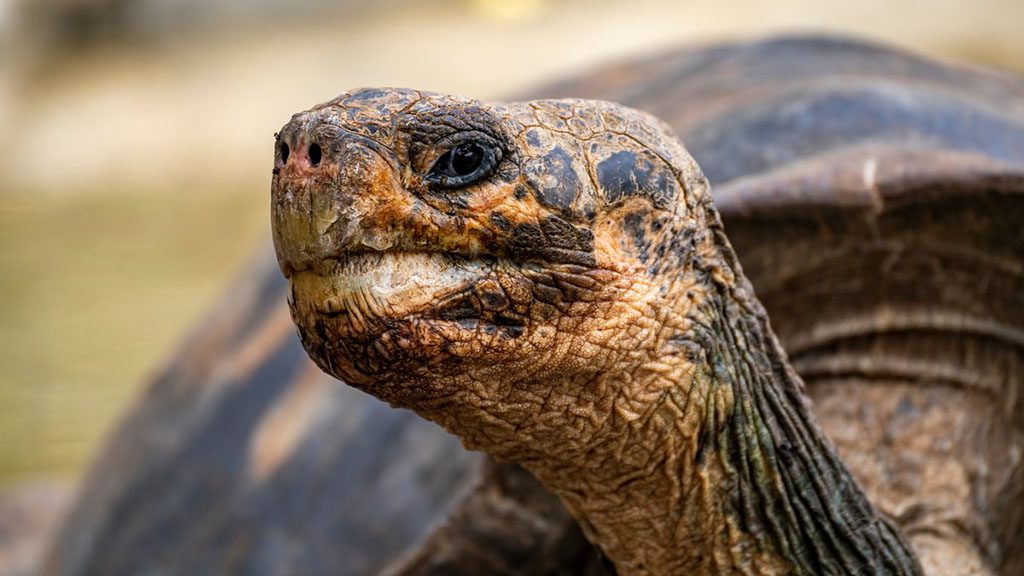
(303, 157)
(326, 194)
(299, 148)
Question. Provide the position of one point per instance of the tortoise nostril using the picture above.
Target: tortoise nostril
(315, 154)
(284, 153)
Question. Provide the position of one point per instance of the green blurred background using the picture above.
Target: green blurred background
(136, 150)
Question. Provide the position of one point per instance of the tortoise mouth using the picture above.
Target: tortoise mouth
(373, 303)
(377, 286)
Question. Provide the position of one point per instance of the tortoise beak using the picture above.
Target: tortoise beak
(328, 190)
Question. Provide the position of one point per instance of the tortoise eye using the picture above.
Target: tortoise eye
(465, 163)
(464, 159)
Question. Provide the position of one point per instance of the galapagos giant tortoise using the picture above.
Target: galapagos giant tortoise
(874, 199)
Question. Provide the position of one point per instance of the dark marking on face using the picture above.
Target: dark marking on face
(554, 240)
(624, 174)
(493, 300)
(533, 138)
(619, 176)
(512, 331)
(659, 252)
(683, 244)
(547, 294)
(636, 229)
(499, 220)
(508, 326)
(528, 236)
(664, 190)
(561, 234)
(521, 192)
(554, 179)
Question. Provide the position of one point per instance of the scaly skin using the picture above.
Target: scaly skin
(577, 309)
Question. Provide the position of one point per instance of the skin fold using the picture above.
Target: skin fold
(550, 281)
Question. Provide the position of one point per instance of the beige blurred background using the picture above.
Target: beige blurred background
(136, 148)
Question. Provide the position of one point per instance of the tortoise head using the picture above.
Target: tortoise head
(472, 260)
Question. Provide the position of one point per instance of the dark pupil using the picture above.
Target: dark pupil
(466, 158)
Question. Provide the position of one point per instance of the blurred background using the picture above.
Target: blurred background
(136, 147)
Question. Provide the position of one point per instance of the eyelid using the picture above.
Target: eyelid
(491, 145)
(450, 141)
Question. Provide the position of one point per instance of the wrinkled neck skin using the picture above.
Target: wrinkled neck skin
(692, 448)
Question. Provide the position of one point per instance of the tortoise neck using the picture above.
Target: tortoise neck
(784, 490)
(728, 471)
